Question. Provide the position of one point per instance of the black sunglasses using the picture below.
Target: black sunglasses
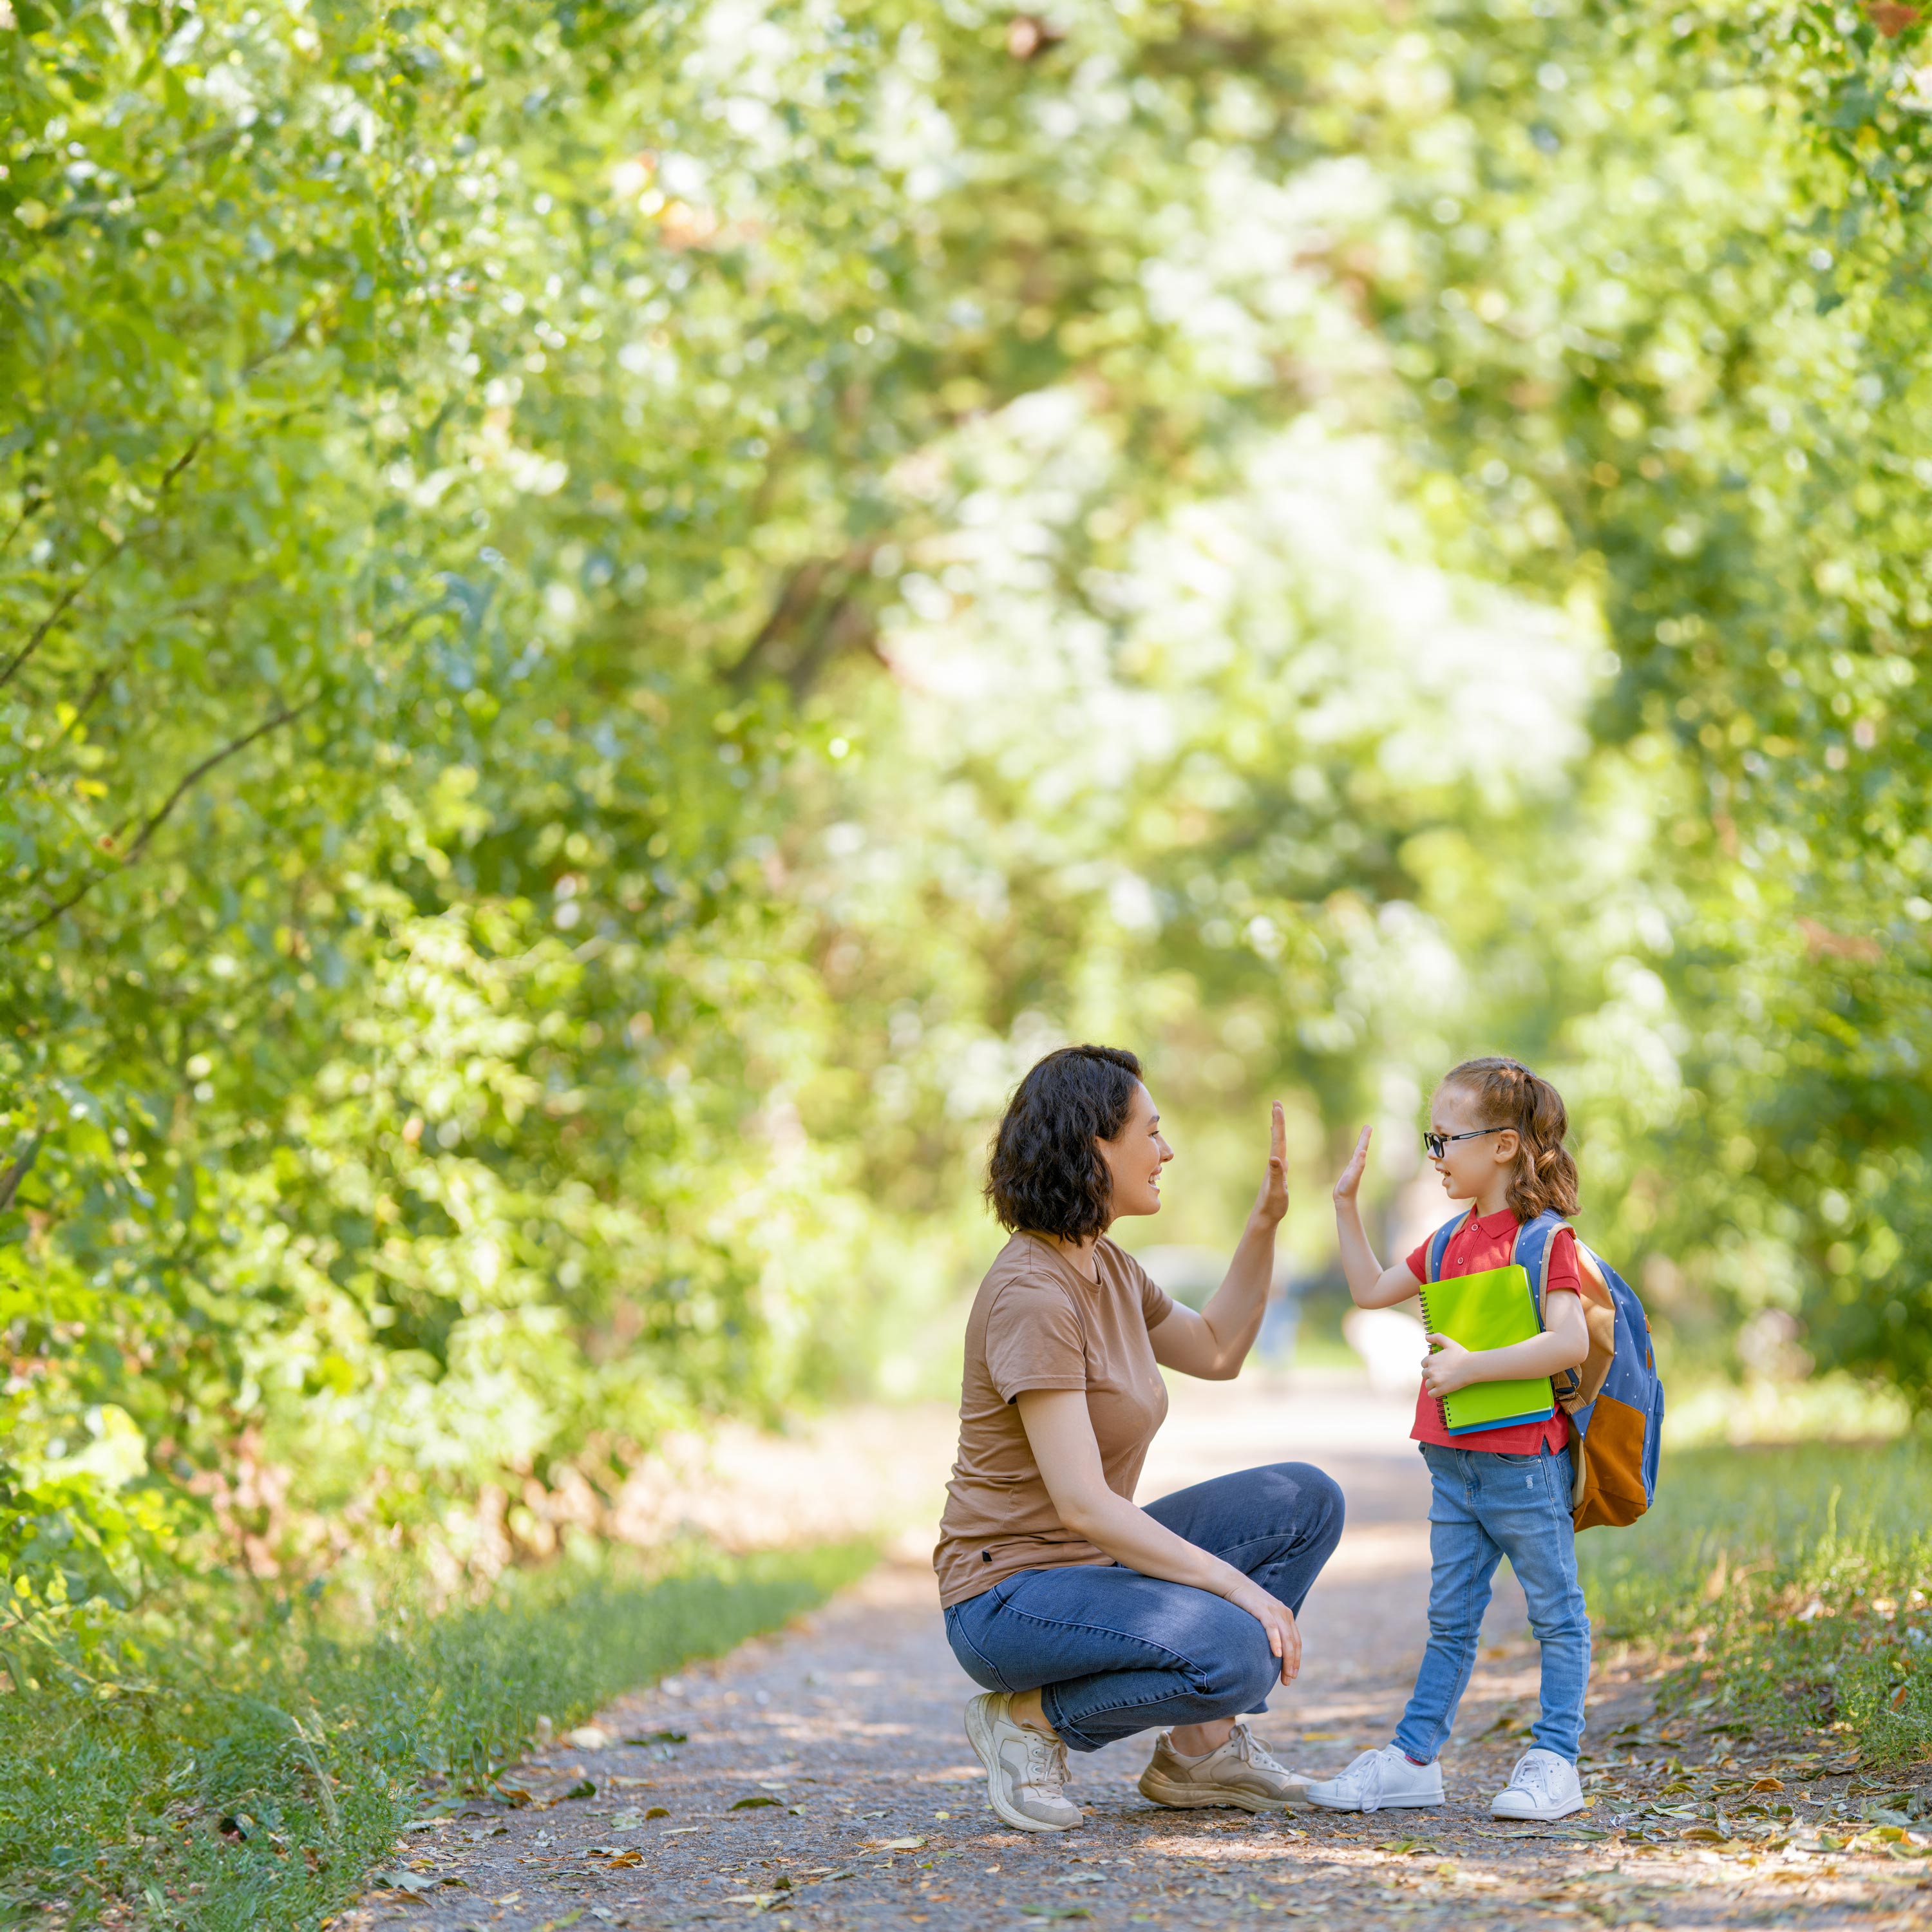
(1437, 1144)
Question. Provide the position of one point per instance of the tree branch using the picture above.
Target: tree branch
(156, 819)
(39, 635)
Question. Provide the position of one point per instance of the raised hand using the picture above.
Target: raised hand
(1271, 1203)
(1345, 1188)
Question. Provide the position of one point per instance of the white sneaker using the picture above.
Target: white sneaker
(1380, 1781)
(1026, 1769)
(1542, 1786)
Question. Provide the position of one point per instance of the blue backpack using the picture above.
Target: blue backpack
(1614, 1401)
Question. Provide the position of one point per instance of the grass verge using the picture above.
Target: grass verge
(252, 1777)
(1794, 1584)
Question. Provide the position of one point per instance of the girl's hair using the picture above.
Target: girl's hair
(1046, 1175)
(1507, 1094)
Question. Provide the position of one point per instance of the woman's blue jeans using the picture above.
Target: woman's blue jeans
(1112, 1652)
(1486, 1506)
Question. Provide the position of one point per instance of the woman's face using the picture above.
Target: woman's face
(1135, 1157)
(1467, 1167)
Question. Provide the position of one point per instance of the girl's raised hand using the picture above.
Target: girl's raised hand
(1351, 1175)
(1271, 1203)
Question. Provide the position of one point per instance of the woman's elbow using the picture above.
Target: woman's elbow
(1083, 1516)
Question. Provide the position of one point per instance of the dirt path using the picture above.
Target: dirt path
(819, 1779)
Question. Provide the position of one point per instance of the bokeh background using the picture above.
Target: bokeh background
(614, 614)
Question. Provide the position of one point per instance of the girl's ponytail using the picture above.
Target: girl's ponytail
(1507, 1094)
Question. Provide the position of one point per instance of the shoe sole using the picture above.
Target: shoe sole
(979, 1737)
(1186, 1798)
(1539, 1817)
(1383, 1804)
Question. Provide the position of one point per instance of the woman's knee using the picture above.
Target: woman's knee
(1231, 1663)
(1323, 1509)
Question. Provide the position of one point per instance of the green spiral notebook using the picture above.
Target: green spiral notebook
(1494, 1309)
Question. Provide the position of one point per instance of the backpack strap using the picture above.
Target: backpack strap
(1534, 1241)
(1439, 1245)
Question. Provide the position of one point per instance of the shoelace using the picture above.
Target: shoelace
(1532, 1774)
(1046, 1764)
(1249, 1747)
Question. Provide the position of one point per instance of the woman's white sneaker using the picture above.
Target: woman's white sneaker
(1380, 1781)
(1543, 1786)
(1026, 1769)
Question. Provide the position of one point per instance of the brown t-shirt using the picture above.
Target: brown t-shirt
(1037, 1324)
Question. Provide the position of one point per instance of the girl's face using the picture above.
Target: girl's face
(1469, 1169)
(1135, 1157)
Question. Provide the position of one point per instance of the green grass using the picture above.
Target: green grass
(1793, 1586)
(323, 1742)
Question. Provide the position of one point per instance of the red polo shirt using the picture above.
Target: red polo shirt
(1475, 1246)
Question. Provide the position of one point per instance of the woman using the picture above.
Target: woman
(1086, 1617)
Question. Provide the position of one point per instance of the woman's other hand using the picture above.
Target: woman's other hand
(1350, 1183)
(1452, 1367)
(1276, 1618)
(1271, 1203)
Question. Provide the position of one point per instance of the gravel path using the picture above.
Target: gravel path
(819, 1779)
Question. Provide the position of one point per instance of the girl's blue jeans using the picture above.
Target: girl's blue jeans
(1486, 1506)
(1112, 1652)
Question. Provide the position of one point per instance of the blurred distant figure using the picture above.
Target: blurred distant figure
(1391, 1344)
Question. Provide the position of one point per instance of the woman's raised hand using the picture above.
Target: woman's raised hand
(1271, 1203)
(1351, 1175)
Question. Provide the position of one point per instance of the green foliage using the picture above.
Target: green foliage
(1799, 1582)
(607, 618)
(321, 1741)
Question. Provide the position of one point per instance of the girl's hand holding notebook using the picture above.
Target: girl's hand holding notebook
(1451, 1367)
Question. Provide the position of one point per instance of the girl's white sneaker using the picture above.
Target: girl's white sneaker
(1542, 1786)
(1380, 1781)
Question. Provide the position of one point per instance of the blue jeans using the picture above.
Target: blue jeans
(1486, 1506)
(1112, 1652)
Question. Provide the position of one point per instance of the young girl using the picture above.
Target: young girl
(1496, 1138)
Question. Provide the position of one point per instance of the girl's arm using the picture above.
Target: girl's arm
(1061, 1434)
(1564, 1344)
(1371, 1285)
(1214, 1343)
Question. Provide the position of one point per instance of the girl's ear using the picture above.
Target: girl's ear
(1507, 1145)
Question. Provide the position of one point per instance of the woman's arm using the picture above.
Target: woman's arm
(1061, 1433)
(1564, 1344)
(1214, 1343)
(1370, 1284)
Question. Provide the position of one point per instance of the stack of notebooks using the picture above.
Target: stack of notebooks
(1494, 1309)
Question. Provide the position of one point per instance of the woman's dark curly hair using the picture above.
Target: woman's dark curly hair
(1046, 1175)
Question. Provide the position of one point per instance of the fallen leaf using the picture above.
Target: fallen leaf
(660, 1738)
(1768, 1784)
(589, 1737)
(625, 1860)
(514, 1796)
(584, 1788)
(658, 1811)
(752, 1804)
(897, 1845)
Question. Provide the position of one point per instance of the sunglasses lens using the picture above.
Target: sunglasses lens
(1434, 1143)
